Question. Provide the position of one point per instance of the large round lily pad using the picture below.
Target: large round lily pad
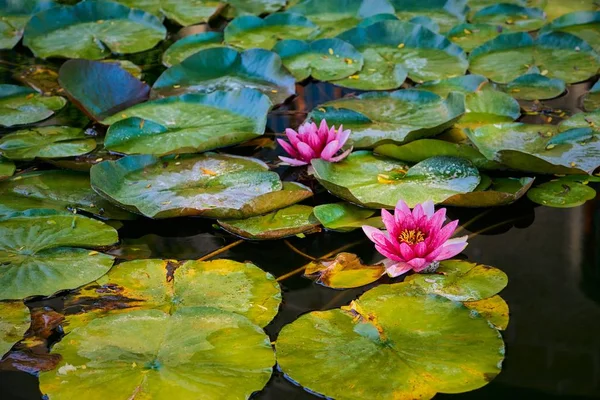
(43, 251)
(185, 47)
(58, 190)
(14, 16)
(226, 69)
(345, 217)
(395, 341)
(464, 84)
(93, 30)
(444, 13)
(583, 24)
(192, 353)
(471, 36)
(211, 185)
(20, 105)
(379, 182)
(535, 86)
(511, 17)
(500, 192)
(189, 12)
(391, 117)
(46, 142)
(561, 194)
(189, 123)
(14, 322)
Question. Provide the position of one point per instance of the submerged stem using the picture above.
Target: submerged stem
(489, 228)
(297, 251)
(471, 221)
(220, 250)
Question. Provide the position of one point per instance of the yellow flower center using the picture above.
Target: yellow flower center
(411, 236)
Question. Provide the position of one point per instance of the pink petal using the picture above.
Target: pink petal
(406, 251)
(437, 220)
(419, 264)
(420, 249)
(417, 212)
(292, 161)
(402, 207)
(331, 134)
(287, 147)
(314, 142)
(390, 223)
(306, 152)
(343, 136)
(443, 234)
(397, 269)
(292, 136)
(452, 247)
(341, 156)
(428, 208)
(375, 235)
(387, 253)
(330, 150)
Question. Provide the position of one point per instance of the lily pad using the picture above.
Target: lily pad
(190, 12)
(46, 142)
(190, 123)
(539, 148)
(324, 59)
(489, 107)
(559, 55)
(581, 120)
(225, 69)
(561, 194)
(7, 168)
(501, 191)
(464, 84)
(476, 5)
(101, 89)
(391, 117)
(345, 217)
(345, 271)
(14, 322)
(289, 221)
(471, 36)
(14, 16)
(336, 16)
(511, 17)
(392, 49)
(535, 86)
(185, 47)
(209, 184)
(92, 30)
(583, 24)
(149, 353)
(395, 341)
(558, 8)
(249, 31)
(53, 258)
(445, 13)
(494, 309)
(257, 7)
(591, 100)
(56, 190)
(426, 22)
(20, 105)
(379, 182)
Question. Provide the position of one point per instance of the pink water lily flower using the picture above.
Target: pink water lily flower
(415, 240)
(311, 142)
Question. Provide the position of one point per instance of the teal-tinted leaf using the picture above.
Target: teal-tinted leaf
(464, 84)
(558, 8)
(581, 120)
(21, 106)
(489, 107)
(41, 252)
(211, 185)
(190, 12)
(511, 17)
(535, 86)
(476, 5)
(345, 271)
(376, 18)
(471, 36)
(14, 322)
(7, 168)
(150, 6)
(185, 47)
(382, 117)
(190, 123)
(561, 194)
(583, 24)
(257, 7)
(379, 182)
(93, 30)
(426, 22)
(324, 59)
(57, 190)
(345, 217)
(591, 100)
(226, 69)
(101, 89)
(444, 13)
(14, 16)
(248, 31)
(500, 192)
(46, 142)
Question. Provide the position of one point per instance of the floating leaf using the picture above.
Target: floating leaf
(471, 36)
(511, 17)
(248, 31)
(583, 24)
(324, 59)
(476, 5)
(101, 89)
(148, 353)
(189, 123)
(444, 13)
(285, 222)
(494, 309)
(344, 271)
(561, 194)
(489, 107)
(7, 168)
(46, 142)
(51, 259)
(557, 8)
(400, 116)
(535, 86)
(14, 16)
(426, 22)
(345, 217)
(379, 182)
(395, 341)
(581, 120)
(185, 47)
(190, 12)
(376, 18)
(93, 30)
(562, 55)
(591, 100)
(500, 192)
(14, 322)
(257, 7)
(20, 105)
(464, 84)
(209, 184)
(56, 190)
(225, 69)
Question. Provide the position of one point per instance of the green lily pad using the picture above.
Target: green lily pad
(471, 36)
(185, 47)
(225, 69)
(257, 7)
(501, 191)
(489, 107)
(249, 31)
(376, 18)
(7, 168)
(190, 12)
(101, 89)
(190, 123)
(558, 8)
(461, 281)
(379, 182)
(559, 55)
(289, 221)
(426, 22)
(57, 190)
(581, 120)
(511, 17)
(148, 353)
(345, 271)
(476, 5)
(539, 148)
(53, 258)
(324, 59)
(445, 13)
(15, 319)
(583, 24)
(392, 49)
(20, 105)
(585, 179)
(150, 6)
(535, 86)
(46, 142)
(494, 309)
(464, 84)
(209, 184)
(336, 16)
(395, 341)
(591, 100)
(14, 16)
(561, 194)
(345, 217)
(391, 117)
(93, 30)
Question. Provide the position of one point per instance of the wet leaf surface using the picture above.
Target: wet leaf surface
(14, 322)
(46, 142)
(344, 217)
(21, 106)
(345, 271)
(561, 194)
